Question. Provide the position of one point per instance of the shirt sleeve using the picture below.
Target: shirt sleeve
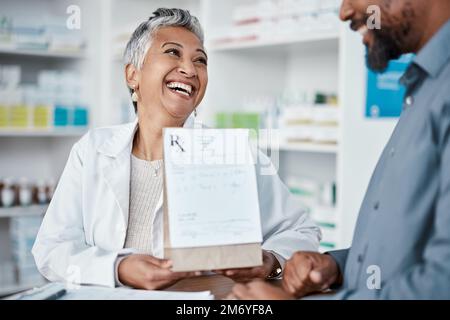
(285, 223)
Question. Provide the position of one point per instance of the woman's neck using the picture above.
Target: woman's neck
(148, 141)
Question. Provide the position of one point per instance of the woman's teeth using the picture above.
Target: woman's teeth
(180, 87)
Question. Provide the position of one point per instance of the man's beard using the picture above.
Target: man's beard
(384, 49)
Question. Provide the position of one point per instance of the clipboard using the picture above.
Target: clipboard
(211, 257)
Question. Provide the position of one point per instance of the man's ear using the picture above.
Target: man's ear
(132, 76)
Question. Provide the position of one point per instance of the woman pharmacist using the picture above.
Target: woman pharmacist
(104, 224)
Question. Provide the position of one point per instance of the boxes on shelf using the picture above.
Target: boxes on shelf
(55, 101)
(275, 19)
(319, 198)
(7, 274)
(313, 193)
(238, 120)
(23, 232)
(311, 122)
(62, 39)
(50, 36)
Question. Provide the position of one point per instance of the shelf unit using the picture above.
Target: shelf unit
(71, 132)
(29, 211)
(331, 37)
(44, 54)
(41, 153)
(303, 147)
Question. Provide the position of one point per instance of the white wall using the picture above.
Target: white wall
(362, 139)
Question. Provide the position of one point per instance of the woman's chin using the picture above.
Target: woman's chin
(180, 112)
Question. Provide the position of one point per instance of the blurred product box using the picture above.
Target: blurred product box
(29, 37)
(325, 134)
(56, 100)
(296, 115)
(4, 115)
(324, 114)
(7, 275)
(297, 134)
(23, 232)
(238, 120)
(61, 39)
(277, 19)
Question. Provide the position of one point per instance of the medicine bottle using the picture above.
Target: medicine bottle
(7, 194)
(41, 194)
(25, 193)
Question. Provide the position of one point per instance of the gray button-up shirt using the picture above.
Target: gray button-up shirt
(401, 245)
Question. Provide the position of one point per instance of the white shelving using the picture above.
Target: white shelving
(44, 54)
(67, 132)
(30, 211)
(41, 154)
(330, 37)
(304, 147)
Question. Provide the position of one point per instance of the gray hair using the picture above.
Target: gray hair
(141, 38)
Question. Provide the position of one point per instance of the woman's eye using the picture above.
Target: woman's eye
(173, 52)
(202, 61)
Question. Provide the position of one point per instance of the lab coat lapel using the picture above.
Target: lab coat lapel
(117, 176)
(117, 171)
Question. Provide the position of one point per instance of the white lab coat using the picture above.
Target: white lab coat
(84, 229)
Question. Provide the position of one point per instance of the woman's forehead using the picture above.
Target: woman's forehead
(179, 35)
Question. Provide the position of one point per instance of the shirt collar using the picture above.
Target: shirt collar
(436, 52)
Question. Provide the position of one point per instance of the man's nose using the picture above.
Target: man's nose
(346, 11)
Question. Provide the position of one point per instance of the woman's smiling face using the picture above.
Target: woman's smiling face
(174, 75)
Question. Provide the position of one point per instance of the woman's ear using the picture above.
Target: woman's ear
(132, 76)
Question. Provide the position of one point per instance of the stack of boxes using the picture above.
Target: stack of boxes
(269, 20)
(316, 122)
(23, 232)
(56, 101)
(23, 35)
(319, 199)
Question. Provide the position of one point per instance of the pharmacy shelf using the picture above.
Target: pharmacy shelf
(304, 147)
(34, 210)
(44, 54)
(70, 132)
(16, 288)
(262, 43)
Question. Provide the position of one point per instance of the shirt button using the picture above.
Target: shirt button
(409, 101)
(360, 258)
(392, 152)
(376, 205)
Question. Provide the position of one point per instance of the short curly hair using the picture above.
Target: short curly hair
(141, 38)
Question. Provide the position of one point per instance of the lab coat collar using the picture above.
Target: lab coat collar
(123, 138)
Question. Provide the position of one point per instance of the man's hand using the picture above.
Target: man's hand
(308, 272)
(258, 290)
(270, 263)
(148, 272)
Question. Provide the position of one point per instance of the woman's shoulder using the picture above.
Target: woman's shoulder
(102, 136)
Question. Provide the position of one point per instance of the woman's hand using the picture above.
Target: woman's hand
(148, 272)
(270, 263)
